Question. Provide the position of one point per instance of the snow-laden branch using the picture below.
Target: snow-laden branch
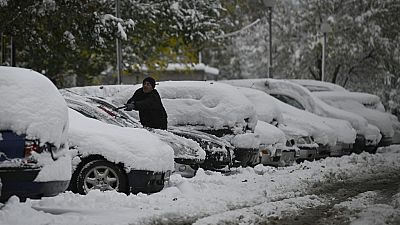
(238, 31)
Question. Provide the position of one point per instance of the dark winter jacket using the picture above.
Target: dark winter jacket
(151, 110)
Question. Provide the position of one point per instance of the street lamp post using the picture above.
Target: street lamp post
(270, 4)
(118, 45)
(325, 28)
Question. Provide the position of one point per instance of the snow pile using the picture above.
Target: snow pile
(248, 195)
(30, 104)
(136, 148)
(369, 211)
(58, 170)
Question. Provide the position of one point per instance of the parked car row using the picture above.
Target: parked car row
(80, 139)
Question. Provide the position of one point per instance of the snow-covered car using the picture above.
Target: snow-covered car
(268, 112)
(276, 149)
(218, 151)
(188, 153)
(366, 105)
(209, 107)
(34, 160)
(334, 136)
(110, 157)
(374, 117)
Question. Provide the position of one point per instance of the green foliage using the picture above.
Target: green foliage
(71, 37)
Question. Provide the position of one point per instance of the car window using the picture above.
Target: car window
(289, 100)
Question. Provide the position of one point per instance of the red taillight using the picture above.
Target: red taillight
(32, 146)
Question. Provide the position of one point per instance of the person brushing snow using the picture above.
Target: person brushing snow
(147, 101)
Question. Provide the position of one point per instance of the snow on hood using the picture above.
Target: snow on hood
(294, 117)
(184, 148)
(269, 134)
(136, 148)
(245, 140)
(372, 135)
(213, 105)
(377, 118)
(30, 104)
(293, 132)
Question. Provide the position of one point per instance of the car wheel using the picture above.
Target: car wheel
(101, 175)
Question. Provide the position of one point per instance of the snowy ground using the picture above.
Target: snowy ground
(246, 196)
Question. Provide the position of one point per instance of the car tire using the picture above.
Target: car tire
(101, 175)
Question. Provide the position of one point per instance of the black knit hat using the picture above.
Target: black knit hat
(150, 80)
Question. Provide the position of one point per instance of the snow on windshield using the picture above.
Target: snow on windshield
(30, 104)
(136, 148)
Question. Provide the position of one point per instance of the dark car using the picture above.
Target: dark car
(18, 170)
(33, 130)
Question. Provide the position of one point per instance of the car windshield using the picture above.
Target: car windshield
(289, 100)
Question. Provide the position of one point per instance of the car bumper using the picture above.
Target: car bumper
(246, 157)
(216, 160)
(186, 170)
(307, 153)
(323, 151)
(385, 141)
(341, 149)
(20, 182)
(361, 144)
(286, 158)
(146, 181)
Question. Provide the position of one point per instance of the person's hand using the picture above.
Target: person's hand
(130, 106)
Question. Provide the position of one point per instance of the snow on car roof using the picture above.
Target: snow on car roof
(264, 104)
(369, 100)
(316, 85)
(31, 104)
(210, 104)
(363, 98)
(136, 148)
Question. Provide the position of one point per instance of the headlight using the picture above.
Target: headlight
(264, 150)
